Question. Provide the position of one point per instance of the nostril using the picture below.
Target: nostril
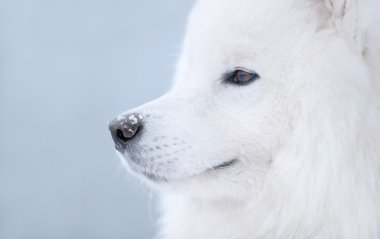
(121, 136)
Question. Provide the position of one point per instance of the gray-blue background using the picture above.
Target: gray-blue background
(66, 68)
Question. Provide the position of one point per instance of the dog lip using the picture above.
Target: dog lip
(162, 179)
(225, 164)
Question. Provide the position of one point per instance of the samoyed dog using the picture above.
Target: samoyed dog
(272, 126)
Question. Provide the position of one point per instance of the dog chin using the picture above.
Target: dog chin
(155, 178)
(143, 172)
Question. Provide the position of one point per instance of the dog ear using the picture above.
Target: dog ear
(343, 15)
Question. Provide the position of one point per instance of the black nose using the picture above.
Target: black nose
(124, 128)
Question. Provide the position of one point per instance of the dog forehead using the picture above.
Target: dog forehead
(242, 17)
(225, 34)
(234, 28)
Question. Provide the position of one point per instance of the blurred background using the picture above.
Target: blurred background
(66, 68)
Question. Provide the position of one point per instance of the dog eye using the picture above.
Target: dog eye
(241, 77)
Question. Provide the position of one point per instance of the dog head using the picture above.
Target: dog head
(250, 75)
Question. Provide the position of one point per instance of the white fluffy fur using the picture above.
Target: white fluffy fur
(306, 134)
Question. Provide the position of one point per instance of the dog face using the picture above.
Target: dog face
(247, 72)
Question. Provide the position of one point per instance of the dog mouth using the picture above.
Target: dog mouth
(224, 165)
(163, 179)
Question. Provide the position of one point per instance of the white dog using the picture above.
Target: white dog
(272, 128)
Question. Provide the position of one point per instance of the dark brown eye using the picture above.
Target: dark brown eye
(242, 77)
